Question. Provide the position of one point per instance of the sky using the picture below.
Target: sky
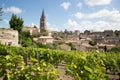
(93, 15)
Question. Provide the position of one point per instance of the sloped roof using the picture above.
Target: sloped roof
(46, 37)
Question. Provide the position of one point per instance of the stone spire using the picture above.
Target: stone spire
(43, 15)
(42, 23)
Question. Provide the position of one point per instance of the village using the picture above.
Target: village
(59, 40)
(86, 41)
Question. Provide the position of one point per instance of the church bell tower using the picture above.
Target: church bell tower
(43, 23)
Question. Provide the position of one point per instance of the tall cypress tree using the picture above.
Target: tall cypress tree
(16, 23)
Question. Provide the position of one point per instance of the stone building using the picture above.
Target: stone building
(112, 40)
(108, 33)
(33, 30)
(8, 37)
(44, 39)
(64, 47)
(86, 32)
(45, 36)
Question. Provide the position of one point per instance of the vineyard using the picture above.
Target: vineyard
(20, 63)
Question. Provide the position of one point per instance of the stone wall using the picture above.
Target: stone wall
(33, 30)
(8, 37)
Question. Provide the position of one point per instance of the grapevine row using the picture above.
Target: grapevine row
(80, 65)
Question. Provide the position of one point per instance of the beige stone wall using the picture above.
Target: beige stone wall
(9, 37)
(45, 39)
(33, 30)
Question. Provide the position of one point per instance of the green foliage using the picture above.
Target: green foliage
(25, 39)
(41, 64)
(3, 50)
(72, 46)
(92, 43)
(62, 36)
(117, 33)
(16, 23)
(87, 66)
(115, 49)
(13, 68)
(112, 62)
(46, 31)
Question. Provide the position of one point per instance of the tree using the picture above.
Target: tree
(25, 39)
(117, 33)
(16, 23)
(71, 45)
(1, 13)
(115, 49)
(92, 43)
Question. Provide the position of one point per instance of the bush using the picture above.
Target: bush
(115, 49)
(72, 46)
(3, 50)
(92, 43)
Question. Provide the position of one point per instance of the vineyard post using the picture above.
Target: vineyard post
(37, 56)
(25, 58)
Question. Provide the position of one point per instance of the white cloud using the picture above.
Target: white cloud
(113, 16)
(105, 20)
(13, 9)
(6, 21)
(79, 5)
(100, 14)
(48, 24)
(89, 25)
(72, 23)
(79, 15)
(97, 2)
(104, 14)
(65, 5)
(51, 27)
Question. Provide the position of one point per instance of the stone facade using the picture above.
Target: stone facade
(9, 37)
(33, 30)
(64, 47)
(45, 39)
(112, 40)
(45, 36)
(108, 33)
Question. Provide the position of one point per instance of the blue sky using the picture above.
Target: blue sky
(94, 15)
